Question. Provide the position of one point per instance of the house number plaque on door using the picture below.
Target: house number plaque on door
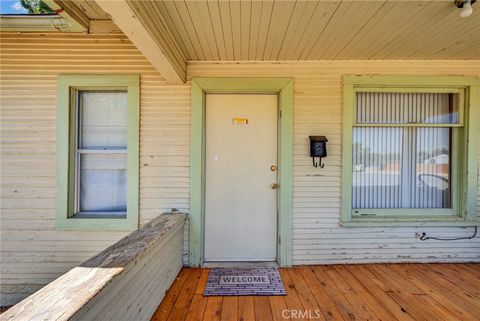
(240, 121)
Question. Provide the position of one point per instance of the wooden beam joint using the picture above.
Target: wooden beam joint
(135, 29)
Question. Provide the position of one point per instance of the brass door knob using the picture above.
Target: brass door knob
(274, 186)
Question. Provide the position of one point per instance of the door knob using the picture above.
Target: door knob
(274, 186)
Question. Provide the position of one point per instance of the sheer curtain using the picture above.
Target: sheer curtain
(101, 152)
(398, 161)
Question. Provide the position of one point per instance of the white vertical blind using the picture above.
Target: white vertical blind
(101, 152)
(406, 108)
(402, 167)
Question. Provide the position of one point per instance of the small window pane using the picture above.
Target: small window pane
(432, 186)
(407, 108)
(401, 167)
(377, 160)
(103, 120)
(103, 183)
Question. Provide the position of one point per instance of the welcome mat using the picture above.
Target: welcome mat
(244, 281)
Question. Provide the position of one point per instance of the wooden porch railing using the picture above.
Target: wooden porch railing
(126, 281)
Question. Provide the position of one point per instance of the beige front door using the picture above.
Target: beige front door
(241, 160)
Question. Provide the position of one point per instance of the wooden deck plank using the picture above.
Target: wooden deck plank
(457, 278)
(213, 310)
(263, 311)
(202, 281)
(278, 306)
(403, 292)
(292, 300)
(330, 311)
(382, 297)
(164, 309)
(410, 293)
(406, 302)
(437, 284)
(442, 295)
(230, 308)
(464, 271)
(246, 310)
(308, 300)
(362, 292)
(197, 308)
(437, 296)
(182, 304)
(340, 301)
(359, 306)
(474, 267)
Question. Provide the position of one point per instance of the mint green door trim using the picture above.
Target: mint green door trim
(199, 88)
(464, 168)
(67, 85)
(472, 150)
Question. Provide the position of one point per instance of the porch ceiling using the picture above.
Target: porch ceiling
(314, 30)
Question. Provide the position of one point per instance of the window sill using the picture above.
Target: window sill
(441, 221)
(98, 223)
(99, 216)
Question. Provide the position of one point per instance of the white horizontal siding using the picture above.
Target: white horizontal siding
(33, 253)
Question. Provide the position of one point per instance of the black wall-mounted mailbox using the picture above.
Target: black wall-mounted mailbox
(318, 148)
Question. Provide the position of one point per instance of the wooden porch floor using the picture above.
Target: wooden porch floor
(386, 292)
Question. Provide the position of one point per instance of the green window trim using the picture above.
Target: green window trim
(67, 85)
(464, 173)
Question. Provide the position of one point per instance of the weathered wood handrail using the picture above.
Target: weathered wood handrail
(126, 281)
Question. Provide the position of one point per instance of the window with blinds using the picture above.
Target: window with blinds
(101, 153)
(402, 145)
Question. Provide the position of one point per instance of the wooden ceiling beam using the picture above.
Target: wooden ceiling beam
(171, 67)
(76, 19)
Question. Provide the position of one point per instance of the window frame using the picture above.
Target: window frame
(67, 88)
(79, 152)
(464, 142)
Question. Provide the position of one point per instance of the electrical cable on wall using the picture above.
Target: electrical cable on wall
(424, 237)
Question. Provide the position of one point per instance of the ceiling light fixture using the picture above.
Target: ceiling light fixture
(466, 6)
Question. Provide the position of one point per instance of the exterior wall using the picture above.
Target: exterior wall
(34, 253)
(317, 237)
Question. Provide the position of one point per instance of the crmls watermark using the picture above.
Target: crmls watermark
(302, 314)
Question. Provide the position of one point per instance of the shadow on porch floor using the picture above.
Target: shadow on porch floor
(338, 292)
